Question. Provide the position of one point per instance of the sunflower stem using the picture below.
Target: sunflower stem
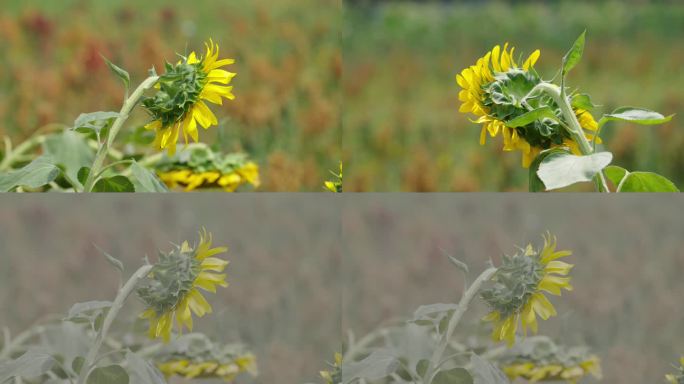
(468, 296)
(14, 155)
(575, 130)
(121, 297)
(128, 106)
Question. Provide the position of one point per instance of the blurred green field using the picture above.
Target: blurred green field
(288, 56)
(283, 298)
(627, 251)
(402, 128)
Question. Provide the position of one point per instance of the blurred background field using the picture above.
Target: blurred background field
(402, 128)
(283, 301)
(627, 299)
(289, 64)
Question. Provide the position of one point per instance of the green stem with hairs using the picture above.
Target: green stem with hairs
(124, 292)
(102, 152)
(468, 296)
(575, 130)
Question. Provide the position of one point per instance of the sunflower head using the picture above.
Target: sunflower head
(202, 168)
(517, 293)
(540, 359)
(179, 104)
(171, 292)
(496, 90)
(196, 356)
(678, 377)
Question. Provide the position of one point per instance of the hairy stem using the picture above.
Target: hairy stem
(128, 106)
(468, 296)
(575, 130)
(121, 297)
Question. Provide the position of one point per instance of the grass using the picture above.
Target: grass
(286, 114)
(402, 128)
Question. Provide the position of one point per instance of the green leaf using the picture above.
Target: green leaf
(94, 121)
(141, 371)
(71, 152)
(531, 116)
(77, 364)
(30, 364)
(582, 101)
(574, 55)
(88, 306)
(646, 182)
(422, 367)
(453, 376)
(561, 169)
(635, 115)
(535, 183)
(615, 174)
(112, 260)
(485, 372)
(146, 181)
(36, 174)
(114, 184)
(83, 174)
(119, 72)
(379, 364)
(432, 311)
(112, 374)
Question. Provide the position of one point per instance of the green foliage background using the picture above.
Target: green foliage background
(288, 56)
(402, 128)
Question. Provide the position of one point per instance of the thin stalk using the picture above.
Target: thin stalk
(121, 297)
(468, 296)
(575, 130)
(102, 152)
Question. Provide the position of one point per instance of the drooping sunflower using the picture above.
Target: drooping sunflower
(179, 105)
(517, 296)
(171, 291)
(495, 90)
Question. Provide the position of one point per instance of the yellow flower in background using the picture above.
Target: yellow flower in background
(179, 105)
(534, 372)
(494, 90)
(192, 180)
(333, 376)
(517, 296)
(172, 289)
(209, 369)
(677, 378)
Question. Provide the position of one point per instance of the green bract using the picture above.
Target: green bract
(515, 281)
(170, 279)
(179, 90)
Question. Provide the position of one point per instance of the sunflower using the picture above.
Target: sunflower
(172, 289)
(677, 378)
(518, 293)
(208, 369)
(554, 371)
(495, 90)
(179, 105)
(191, 180)
(333, 376)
